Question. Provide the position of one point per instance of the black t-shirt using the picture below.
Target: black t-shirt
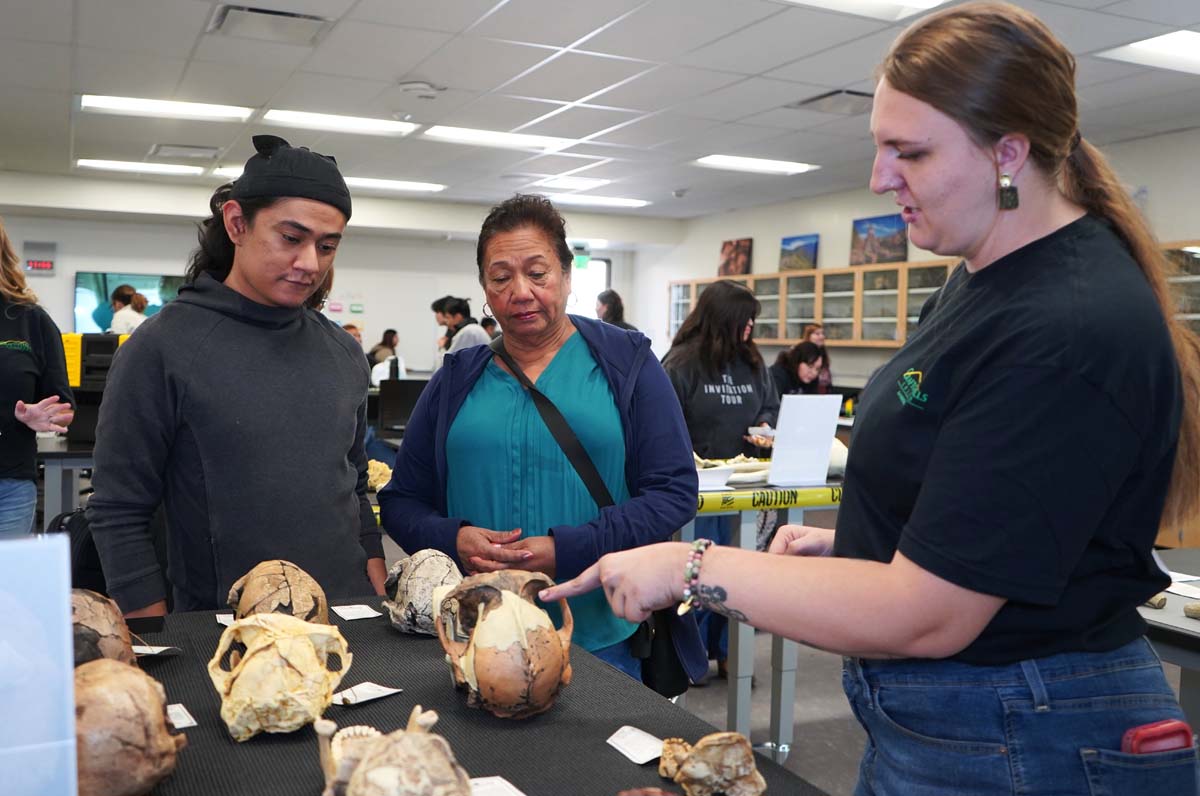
(1021, 444)
(32, 367)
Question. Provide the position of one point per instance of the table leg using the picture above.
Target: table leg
(784, 656)
(61, 492)
(741, 644)
(1189, 694)
(688, 532)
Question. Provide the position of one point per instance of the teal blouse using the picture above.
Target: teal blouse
(506, 471)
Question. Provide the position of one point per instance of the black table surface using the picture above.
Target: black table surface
(559, 752)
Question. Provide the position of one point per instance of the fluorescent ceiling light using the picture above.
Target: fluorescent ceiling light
(136, 106)
(597, 201)
(138, 167)
(569, 183)
(232, 172)
(465, 135)
(341, 124)
(757, 165)
(889, 10)
(393, 185)
(1179, 51)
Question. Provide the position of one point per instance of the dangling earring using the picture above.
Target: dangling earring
(1007, 192)
(487, 311)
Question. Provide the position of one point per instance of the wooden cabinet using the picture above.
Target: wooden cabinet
(869, 306)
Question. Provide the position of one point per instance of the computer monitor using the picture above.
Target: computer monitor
(397, 399)
(93, 292)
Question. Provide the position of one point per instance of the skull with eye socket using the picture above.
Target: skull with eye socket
(410, 586)
(279, 586)
(503, 649)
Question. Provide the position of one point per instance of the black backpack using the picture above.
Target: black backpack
(86, 572)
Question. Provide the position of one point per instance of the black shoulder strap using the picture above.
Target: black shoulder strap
(560, 430)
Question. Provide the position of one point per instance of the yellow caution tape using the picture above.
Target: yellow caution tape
(750, 499)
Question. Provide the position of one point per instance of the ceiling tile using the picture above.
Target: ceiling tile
(380, 52)
(573, 76)
(36, 65)
(751, 96)
(406, 106)
(663, 86)
(142, 133)
(1149, 83)
(45, 20)
(665, 29)
(1167, 12)
(548, 22)
(126, 74)
(1086, 31)
(654, 130)
(1089, 70)
(42, 113)
(805, 147)
(228, 84)
(429, 14)
(477, 64)
(632, 154)
(579, 122)
(842, 65)
(726, 139)
(619, 169)
(1083, 3)
(852, 126)
(558, 164)
(326, 9)
(161, 27)
(784, 37)
(791, 118)
(493, 112)
(306, 91)
(250, 52)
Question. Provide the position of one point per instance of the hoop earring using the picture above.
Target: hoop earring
(487, 311)
(1007, 193)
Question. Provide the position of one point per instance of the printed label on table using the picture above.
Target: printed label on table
(179, 717)
(355, 611)
(225, 619)
(638, 745)
(493, 786)
(1184, 590)
(144, 650)
(363, 692)
(1177, 577)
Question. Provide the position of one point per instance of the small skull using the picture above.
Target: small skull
(100, 630)
(720, 764)
(410, 586)
(675, 751)
(282, 681)
(502, 648)
(123, 741)
(279, 586)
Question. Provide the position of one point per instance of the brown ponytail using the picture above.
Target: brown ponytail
(138, 302)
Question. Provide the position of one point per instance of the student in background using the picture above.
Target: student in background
(815, 333)
(610, 309)
(353, 331)
(489, 326)
(797, 370)
(466, 330)
(129, 307)
(385, 348)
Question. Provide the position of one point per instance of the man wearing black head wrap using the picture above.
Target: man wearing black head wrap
(240, 408)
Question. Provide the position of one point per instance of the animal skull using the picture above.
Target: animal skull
(675, 751)
(720, 764)
(410, 586)
(282, 681)
(123, 742)
(279, 586)
(502, 648)
(100, 631)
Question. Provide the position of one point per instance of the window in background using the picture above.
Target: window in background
(588, 280)
(93, 309)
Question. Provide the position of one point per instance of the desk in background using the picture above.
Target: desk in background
(560, 752)
(1176, 638)
(62, 459)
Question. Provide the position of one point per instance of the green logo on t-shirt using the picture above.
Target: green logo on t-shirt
(16, 345)
(909, 391)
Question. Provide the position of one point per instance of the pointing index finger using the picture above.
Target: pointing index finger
(585, 582)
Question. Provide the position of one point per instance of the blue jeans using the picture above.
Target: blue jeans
(621, 658)
(1047, 726)
(714, 628)
(18, 502)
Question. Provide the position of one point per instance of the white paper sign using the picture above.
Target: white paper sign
(363, 692)
(1177, 577)
(179, 717)
(1184, 590)
(225, 619)
(638, 745)
(355, 611)
(803, 439)
(493, 786)
(139, 649)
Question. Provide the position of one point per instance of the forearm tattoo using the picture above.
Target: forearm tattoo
(713, 598)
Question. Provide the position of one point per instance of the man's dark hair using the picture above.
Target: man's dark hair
(525, 210)
(457, 306)
(439, 305)
(488, 324)
(215, 253)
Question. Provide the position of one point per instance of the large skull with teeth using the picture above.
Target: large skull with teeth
(279, 586)
(410, 586)
(278, 678)
(720, 764)
(100, 630)
(123, 742)
(502, 648)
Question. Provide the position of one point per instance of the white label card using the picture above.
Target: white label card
(179, 716)
(355, 611)
(363, 692)
(1184, 590)
(493, 786)
(1177, 577)
(638, 745)
(225, 619)
(139, 649)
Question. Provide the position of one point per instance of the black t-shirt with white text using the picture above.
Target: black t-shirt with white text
(718, 409)
(1021, 445)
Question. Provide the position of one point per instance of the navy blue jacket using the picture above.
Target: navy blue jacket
(659, 470)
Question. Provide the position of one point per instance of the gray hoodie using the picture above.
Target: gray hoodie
(247, 422)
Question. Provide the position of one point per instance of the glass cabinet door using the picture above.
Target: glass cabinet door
(1186, 283)
(681, 305)
(837, 306)
(800, 304)
(766, 326)
(880, 305)
(923, 282)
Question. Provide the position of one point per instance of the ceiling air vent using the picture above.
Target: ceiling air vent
(184, 152)
(264, 24)
(844, 103)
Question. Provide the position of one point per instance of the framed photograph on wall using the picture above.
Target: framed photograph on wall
(798, 253)
(735, 257)
(880, 239)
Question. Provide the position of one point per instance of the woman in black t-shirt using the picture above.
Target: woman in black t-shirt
(1011, 464)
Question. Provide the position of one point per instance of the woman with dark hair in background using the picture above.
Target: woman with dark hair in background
(385, 348)
(797, 370)
(34, 392)
(724, 388)
(128, 308)
(610, 309)
(815, 333)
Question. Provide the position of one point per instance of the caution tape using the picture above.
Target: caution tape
(750, 499)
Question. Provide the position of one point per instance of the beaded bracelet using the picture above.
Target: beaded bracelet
(691, 575)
